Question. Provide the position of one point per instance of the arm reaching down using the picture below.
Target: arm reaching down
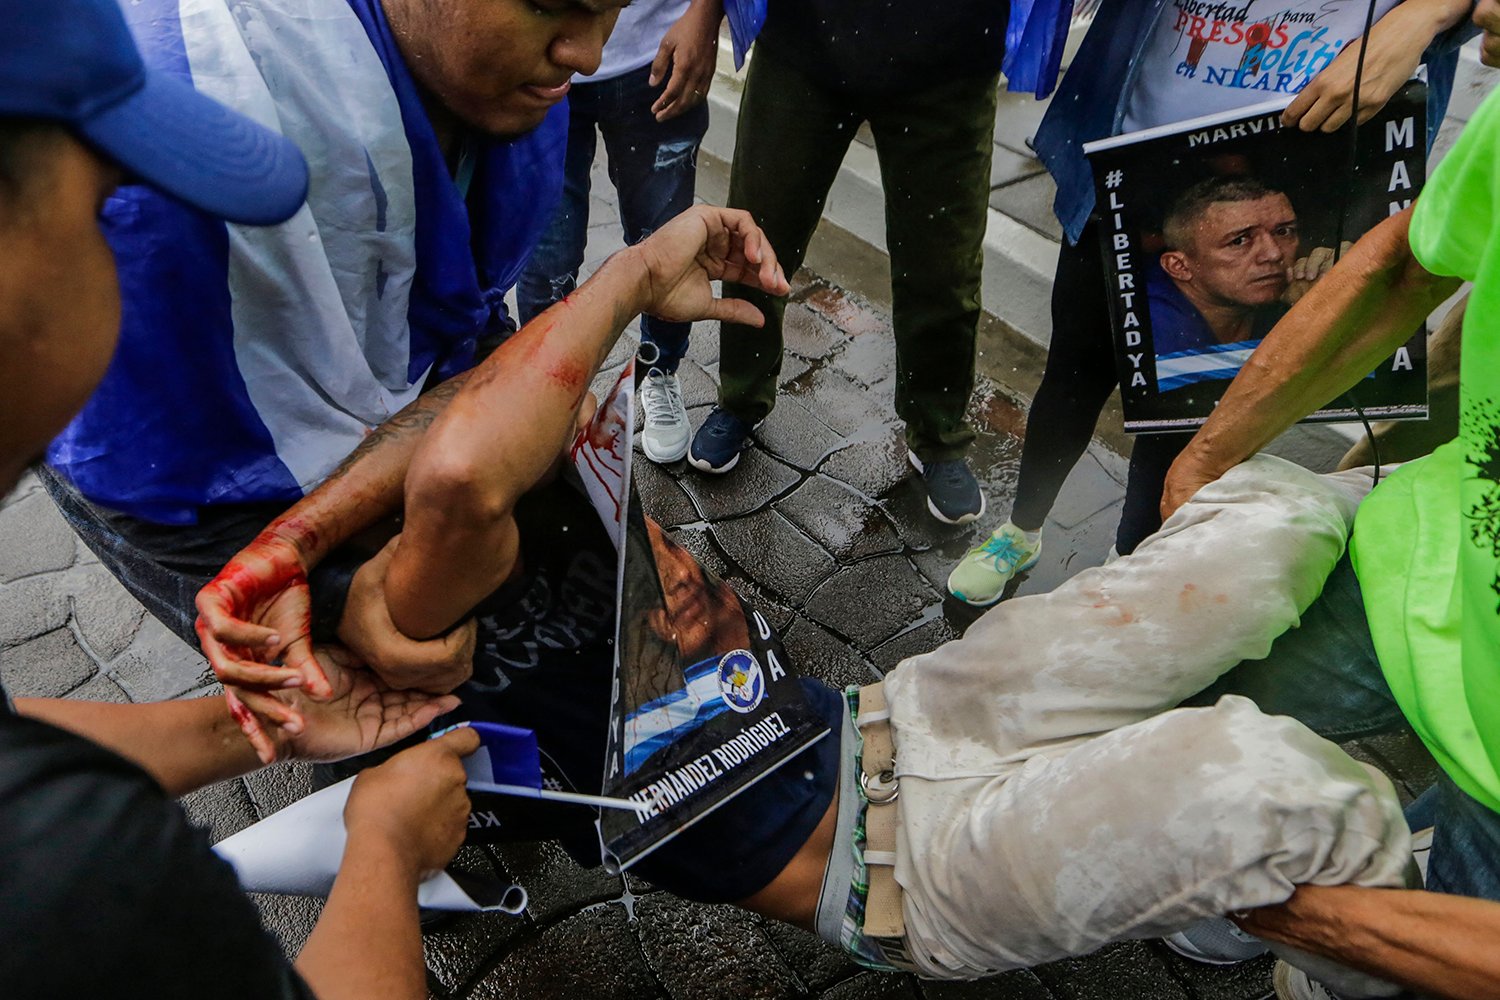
(190, 743)
(505, 430)
(687, 58)
(1439, 945)
(1397, 43)
(406, 819)
(1345, 325)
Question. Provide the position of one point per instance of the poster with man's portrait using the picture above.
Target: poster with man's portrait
(703, 703)
(1212, 229)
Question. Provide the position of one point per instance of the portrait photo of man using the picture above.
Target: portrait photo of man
(1230, 270)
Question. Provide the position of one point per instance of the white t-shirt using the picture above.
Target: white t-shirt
(1207, 56)
(637, 36)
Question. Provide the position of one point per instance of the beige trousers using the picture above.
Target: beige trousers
(1052, 798)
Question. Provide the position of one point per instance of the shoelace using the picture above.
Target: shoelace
(722, 424)
(662, 397)
(953, 473)
(1003, 549)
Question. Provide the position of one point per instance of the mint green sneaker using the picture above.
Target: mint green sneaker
(980, 577)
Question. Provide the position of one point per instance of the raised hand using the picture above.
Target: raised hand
(700, 246)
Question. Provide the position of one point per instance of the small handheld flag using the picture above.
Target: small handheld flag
(509, 763)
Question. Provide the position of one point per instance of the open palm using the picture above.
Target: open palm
(363, 714)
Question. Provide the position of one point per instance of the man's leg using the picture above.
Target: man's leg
(1078, 379)
(1465, 845)
(1136, 834)
(1323, 673)
(935, 147)
(1226, 575)
(792, 137)
(654, 166)
(552, 271)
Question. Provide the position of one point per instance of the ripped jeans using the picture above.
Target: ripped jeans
(653, 166)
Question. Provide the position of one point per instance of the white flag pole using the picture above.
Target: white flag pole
(578, 798)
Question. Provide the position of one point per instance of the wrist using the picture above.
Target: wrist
(712, 9)
(295, 532)
(1445, 14)
(632, 277)
(383, 851)
(1423, 21)
(1210, 455)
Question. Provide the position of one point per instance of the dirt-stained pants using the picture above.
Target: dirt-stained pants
(1054, 800)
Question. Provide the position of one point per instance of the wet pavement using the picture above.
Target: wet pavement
(825, 527)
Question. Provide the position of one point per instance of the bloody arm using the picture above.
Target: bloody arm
(504, 431)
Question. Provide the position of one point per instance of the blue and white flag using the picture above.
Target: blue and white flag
(252, 360)
(746, 18)
(1217, 362)
(1034, 43)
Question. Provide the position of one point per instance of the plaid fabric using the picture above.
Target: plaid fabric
(852, 936)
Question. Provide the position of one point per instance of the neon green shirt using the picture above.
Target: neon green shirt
(1426, 543)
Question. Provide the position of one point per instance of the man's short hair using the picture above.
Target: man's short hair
(1177, 224)
(23, 145)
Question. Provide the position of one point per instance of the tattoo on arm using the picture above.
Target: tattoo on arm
(413, 421)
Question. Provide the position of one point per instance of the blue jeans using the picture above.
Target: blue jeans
(1325, 674)
(653, 166)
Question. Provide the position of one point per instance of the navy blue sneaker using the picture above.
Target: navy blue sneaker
(953, 494)
(717, 446)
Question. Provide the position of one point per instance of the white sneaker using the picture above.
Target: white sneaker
(666, 434)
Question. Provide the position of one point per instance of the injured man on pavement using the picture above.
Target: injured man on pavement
(992, 804)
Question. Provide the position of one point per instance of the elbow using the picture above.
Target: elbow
(455, 493)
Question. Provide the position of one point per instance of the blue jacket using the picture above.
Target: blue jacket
(1090, 101)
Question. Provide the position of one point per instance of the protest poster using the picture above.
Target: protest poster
(703, 705)
(1211, 229)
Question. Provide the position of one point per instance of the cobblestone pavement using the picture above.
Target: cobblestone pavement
(824, 526)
